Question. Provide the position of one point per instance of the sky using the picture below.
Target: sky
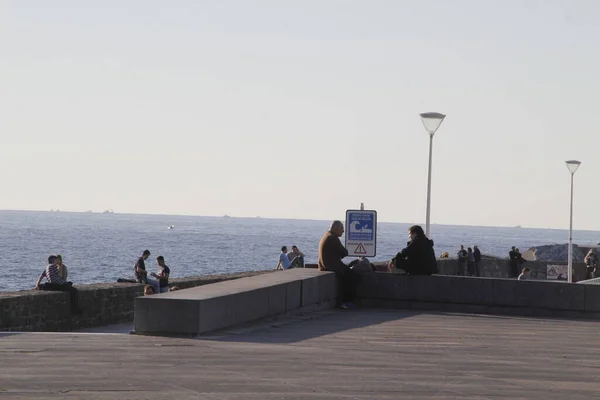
(302, 109)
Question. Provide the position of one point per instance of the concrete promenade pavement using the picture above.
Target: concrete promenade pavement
(358, 354)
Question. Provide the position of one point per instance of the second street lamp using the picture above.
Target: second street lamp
(431, 122)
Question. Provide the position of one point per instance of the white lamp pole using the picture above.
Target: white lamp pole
(431, 122)
(572, 165)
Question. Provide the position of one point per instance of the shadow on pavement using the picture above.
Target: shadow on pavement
(307, 327)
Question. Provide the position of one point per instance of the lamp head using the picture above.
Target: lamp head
(572, 165)
(432, 121)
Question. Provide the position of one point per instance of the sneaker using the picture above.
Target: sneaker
(347, 306)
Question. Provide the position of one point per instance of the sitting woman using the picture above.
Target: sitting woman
(62, 268)
(418, 258)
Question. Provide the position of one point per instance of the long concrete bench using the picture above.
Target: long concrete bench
(480, 295)
(226, 304)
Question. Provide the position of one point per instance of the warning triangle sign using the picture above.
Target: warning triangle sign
(360, 249)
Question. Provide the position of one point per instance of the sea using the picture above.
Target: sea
(102, 247)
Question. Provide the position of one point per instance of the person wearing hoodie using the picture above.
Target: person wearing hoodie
(418, 257)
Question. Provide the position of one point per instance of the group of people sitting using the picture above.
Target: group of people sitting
(417, 258)
(56, 275)
(293, 259)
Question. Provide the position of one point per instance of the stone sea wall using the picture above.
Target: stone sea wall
(499, 267)
(102, 304)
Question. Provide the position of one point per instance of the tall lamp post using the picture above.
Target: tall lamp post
(572, 165)
(431, 122)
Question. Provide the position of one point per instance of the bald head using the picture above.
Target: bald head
(337, 228)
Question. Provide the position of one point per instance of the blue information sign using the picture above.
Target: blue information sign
(361, 232)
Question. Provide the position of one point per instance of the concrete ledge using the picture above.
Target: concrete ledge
(480, 295)
(226, 304)
(102, 304)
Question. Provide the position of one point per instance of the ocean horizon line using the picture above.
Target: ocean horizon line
(288, 219)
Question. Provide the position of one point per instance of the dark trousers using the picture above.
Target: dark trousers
(65, 287)
(477, 270)
(462, 266)
(471, 268)
(348, 281)
(410, 268)
(514, 269)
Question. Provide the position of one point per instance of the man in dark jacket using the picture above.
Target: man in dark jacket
(331, 253)
(514, 262)
(418, 257)
(477, 255)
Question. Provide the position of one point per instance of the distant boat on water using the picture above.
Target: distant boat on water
(108, 212)
(171, 227)
(517, 227)
(226, 216)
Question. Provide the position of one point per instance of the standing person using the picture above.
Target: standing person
(591, 263)
(56, 283)
(296, 254)
(418, 257)
(514, 262)
(139, 268)
(163, 275)
(520, 259)
(141, 275)
(477, 255)
(331, 253)
(470, 262)
(462, 260)
(62, 268)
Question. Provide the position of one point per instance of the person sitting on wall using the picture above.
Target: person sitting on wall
(297, 255)
(331, 254)
(591, 264)
(56, 283)
(62, 268)
(286, 262)
(525, 274)
(418, 257)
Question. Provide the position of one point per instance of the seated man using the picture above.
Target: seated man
(296, 257)
(51, 273)
(331, 253)
(418, 257)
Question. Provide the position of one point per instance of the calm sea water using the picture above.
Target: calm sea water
(103, 247)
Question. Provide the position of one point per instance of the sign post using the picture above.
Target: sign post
(361, 233)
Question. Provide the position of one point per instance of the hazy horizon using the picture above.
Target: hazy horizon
(302, 109)
(327, 221)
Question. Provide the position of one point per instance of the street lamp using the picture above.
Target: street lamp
(572, 165)
(431, 122)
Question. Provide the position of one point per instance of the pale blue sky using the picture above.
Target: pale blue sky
(302, 109)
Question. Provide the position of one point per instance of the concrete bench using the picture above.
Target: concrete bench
(480, 295)
(226, 304)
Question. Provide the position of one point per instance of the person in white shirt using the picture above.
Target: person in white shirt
(284, 261)
(525, 274)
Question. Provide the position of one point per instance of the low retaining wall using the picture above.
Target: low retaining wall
(228, 304)
(500, 268)
(480, 295)
(102, 304)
